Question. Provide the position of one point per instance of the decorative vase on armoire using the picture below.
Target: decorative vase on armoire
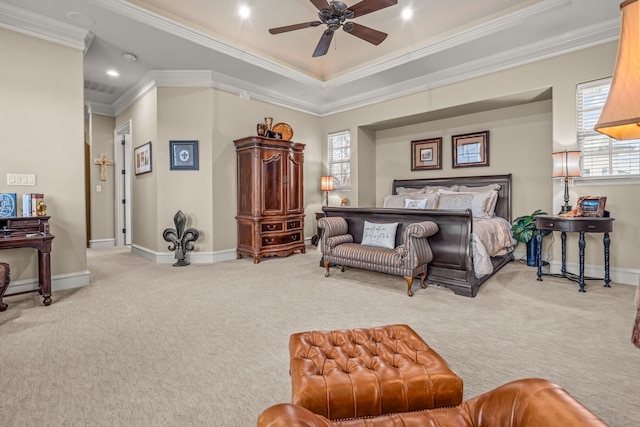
(270, 197)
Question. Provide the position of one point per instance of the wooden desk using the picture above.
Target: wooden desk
(575, 225)
(31, 232)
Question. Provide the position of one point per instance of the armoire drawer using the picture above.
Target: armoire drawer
(293, 224)
(268, 227)
(282, 239)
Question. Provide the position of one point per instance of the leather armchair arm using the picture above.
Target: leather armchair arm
(290, 415)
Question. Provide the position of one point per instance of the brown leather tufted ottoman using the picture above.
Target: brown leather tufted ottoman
(367, 372)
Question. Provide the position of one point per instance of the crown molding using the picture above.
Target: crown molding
(586, 37)
(42, 27)
(452, 41)
(160, 22)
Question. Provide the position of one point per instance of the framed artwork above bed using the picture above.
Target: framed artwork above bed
(470, 149)
(426, 154)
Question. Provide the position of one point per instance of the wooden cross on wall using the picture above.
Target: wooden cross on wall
(103, 162)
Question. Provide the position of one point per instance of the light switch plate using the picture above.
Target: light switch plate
(21, 179)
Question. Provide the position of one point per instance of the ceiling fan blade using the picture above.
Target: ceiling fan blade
(368, 6)
(293, 27)
(365, 33)
(321, 4)
(323, 44)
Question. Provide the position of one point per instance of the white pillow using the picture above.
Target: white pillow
(393, 201)
(403, 191)
(415, 204)
(482, 203)
(430, 201)
(381, 235)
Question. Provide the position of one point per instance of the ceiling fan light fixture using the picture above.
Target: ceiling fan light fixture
(407, 13)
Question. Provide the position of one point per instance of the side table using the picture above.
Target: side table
(315, 239)
(575, 225)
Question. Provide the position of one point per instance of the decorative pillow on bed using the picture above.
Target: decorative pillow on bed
(422, 201)
(381, 235)
(404, 191)
(393, 201)
(482, 203)
(436, 188)
(415, 204)
(454, 200)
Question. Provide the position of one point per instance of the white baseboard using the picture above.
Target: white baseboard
(58, 283)
(626, 276)
(192, 257)
(102, 243)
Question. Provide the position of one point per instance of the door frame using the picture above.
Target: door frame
(122, 142)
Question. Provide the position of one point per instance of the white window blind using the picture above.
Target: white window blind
(601, 155)
(339, 144)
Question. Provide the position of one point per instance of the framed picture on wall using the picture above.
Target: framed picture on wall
(470, 149)
(183, 155)
(142, 158)
(426, 154)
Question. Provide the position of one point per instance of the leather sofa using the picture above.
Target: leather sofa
(528, 402)
(409, 257)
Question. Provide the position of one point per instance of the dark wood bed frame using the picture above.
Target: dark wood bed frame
(452, 264)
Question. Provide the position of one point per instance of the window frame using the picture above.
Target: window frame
(333, 164)
(585, 120)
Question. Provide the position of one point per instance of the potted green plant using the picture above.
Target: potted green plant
(524, 230)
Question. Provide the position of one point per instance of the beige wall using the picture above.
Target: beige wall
(206, 196)
(144, 187)
(41, 108)
(102, 202)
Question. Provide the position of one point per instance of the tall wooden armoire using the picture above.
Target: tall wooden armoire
(270, 215)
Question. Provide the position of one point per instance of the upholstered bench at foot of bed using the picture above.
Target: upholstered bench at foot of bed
(5, 278)
(408, 259)
(368, 372)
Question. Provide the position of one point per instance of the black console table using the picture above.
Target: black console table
(575, 225)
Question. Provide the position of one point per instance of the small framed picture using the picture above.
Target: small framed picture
(591, 205)
(426, 154)
(470, 149)
(142, 158)
(183, 155)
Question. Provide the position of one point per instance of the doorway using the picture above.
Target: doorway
(122, 162)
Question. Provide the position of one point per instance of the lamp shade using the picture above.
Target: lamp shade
(566, 164)
(620, 118)
(326, 183)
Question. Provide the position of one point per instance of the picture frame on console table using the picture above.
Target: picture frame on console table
(426, 154)
(591, 206)
(470, 149)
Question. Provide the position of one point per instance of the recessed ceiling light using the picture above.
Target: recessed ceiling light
(244, 11)
(113, 73)
(407, 13)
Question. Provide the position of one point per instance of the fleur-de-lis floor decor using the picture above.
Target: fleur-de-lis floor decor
(181, 240)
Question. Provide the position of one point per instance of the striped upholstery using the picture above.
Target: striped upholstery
(408, 259)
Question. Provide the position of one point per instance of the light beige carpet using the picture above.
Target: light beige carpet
(206, 345)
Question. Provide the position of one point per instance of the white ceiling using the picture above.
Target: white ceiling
(446, 41)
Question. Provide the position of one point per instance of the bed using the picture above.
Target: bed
(464, 257)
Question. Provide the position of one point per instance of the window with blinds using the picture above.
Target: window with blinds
(601, 155)
(339, 145)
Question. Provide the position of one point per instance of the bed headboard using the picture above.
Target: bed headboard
(503, 206)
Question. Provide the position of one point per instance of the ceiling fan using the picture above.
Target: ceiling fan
(334, 14)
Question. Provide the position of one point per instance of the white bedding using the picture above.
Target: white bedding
(490, 237)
